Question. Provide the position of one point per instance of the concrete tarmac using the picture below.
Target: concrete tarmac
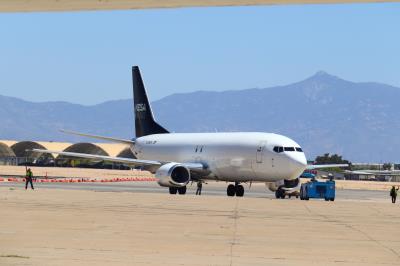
(138, 223)
(257, 190)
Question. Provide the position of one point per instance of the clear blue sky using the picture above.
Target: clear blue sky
(86, 57)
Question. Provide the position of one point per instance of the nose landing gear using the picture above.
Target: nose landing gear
(280, 193)
(236, 189)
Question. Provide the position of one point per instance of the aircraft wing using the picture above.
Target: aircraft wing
(102, 157)
(153, 165)
(321, 166)
(124, 141)
(374, 172)
(359, 172)
(381, 171)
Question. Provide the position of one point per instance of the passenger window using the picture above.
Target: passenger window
(299, 149)
(289, 149)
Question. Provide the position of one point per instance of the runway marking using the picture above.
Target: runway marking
(235, 218)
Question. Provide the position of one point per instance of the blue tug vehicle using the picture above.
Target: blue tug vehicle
(318, 190)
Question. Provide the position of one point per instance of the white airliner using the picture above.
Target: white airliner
(179, 158)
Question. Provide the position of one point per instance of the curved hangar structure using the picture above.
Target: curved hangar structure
(14, 149)
(75, 5)
(6, 151)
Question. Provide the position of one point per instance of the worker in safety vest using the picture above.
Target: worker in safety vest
(28, 178)
(199, 187)
(393, 193)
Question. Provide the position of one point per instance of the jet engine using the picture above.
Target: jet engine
(173, 175)
(286, 187)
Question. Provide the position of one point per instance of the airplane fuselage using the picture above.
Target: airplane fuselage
(239, 157)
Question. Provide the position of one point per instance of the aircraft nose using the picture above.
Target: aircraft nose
(300, 160)
(298, 164)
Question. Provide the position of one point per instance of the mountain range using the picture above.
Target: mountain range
(323, 113)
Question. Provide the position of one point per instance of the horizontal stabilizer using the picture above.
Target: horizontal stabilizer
(124, 141)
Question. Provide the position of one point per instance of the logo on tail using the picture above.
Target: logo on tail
(140, 107)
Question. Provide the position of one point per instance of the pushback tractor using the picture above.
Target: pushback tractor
(318, 190)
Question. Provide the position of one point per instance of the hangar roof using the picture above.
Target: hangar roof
(6, 151)
(126, 153)
(19, 148)
(112, 149)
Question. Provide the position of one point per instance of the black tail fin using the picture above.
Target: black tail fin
(144, 120)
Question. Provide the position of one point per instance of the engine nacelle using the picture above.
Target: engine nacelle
(173, 175)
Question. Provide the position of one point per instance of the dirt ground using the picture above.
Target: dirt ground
(70, 227)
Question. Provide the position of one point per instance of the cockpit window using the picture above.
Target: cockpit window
(279, 149)
(289, 149)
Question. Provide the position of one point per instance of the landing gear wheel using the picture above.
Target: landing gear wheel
(230, 191)
(173, 190)
(239, 191)
(182, 190)
(280, 194)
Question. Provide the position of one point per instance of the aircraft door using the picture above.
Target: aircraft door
(260, 152)
(263, 161)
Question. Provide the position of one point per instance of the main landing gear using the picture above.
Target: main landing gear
(281, 194)
(235, 189)
(179, 190)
